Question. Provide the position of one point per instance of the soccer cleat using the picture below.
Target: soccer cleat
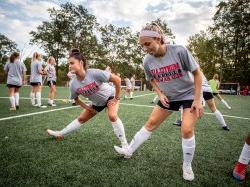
(239, 172)
(53, 104)
(188, 173)
(55, 134)
(177, 122)
(12, 108)
(34, 104)
(73, 104)
(42, 106)
(229, 107)
(226, 128)
(123, 151)
(17, 107)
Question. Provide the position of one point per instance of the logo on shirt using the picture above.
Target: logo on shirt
(167, 73)
(88, 90)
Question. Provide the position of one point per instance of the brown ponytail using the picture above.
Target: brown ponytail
(13, 56)
(75, 53)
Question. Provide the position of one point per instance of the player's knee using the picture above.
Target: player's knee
(81, 120)
(151, 125)
(186, 132)
(112, 117)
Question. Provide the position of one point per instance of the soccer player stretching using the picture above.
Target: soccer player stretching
(91, 83)
(176, 78)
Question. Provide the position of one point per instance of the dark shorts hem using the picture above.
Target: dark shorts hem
(207, 96)
(100, 108)
(13, 86)
(35, 84)
(175, 105)
(51, 83)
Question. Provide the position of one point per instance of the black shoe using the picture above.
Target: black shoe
(17, 107)
(177, 122)
(226, 128)
(73, 104)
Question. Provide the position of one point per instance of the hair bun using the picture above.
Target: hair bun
(74, 50)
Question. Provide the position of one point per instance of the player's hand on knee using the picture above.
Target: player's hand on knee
(197, 108)
(164, 100)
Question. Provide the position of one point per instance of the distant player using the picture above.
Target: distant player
(128, 88)
(90, 84)
(132, 80)
(71, 75)
(16, 71)
(215, 84)
(36, 80)
(51, 80)
(209, 99)
(240, 168)
(177, 79)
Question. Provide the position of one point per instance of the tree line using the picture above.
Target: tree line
(223, 48)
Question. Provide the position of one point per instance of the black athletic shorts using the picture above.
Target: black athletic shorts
(175, 105)
(100, 108)
(35, 84)
(207, 96)
(51, 83)
(215, 94)
(13, 86)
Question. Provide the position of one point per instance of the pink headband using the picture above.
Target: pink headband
(149, 33)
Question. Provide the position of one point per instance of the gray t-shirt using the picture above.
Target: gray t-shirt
(95, 87)
(51, 72)
(173, 72)
(15, 72)
(35, 75)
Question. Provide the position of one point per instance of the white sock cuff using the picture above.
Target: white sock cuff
(217, 112)
(144, 130)
(190, 142)
(118, 121)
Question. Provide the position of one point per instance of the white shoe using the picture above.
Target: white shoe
(188, 173)
(34, 104)
(229, 107)
(123, 151)
(12, 108)
(55, 134)
(42, 106)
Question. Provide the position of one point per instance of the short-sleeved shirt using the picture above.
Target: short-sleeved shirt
(51, 72)
(205, 86)
(214, 84)
(173, 72)
(15, 71)
(35, 75)
(128, 83)
(132, 80)
(95, 87)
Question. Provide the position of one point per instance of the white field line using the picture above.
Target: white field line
(126, 104)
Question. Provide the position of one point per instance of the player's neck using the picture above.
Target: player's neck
(81, 75)
(162, 51)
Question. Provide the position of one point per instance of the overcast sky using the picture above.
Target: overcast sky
(184, 17)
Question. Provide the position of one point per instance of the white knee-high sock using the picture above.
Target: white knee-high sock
(131, 94)
(32, 97)
(119, 131)
(12, 101)
(220, 118)
(140, 137)
(225, 103)
(17, 98)
(188, 148)
(38, 98)
(245, 154)
(74, 125)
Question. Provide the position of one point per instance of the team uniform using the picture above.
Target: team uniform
(15, 72)
(173, 75)
(36, 80)
(95, 87)
(51, 75)
(208, 95)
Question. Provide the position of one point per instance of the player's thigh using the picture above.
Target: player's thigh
(157, 116)
(189, 120)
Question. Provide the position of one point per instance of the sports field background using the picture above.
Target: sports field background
(86, 158)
